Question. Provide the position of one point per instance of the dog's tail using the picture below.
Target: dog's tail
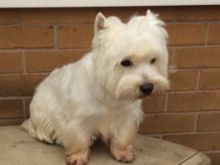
(28, 126)
(44, 133)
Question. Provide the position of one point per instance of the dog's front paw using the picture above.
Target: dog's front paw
(77, 158)
(125, 156)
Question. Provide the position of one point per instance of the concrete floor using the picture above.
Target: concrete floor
(18, 148)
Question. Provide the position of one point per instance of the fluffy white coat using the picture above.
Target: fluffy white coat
(96, 96)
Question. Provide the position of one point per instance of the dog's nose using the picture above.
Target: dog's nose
(147, 88)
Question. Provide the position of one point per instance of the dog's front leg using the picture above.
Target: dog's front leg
(76, 142)
(121, 144)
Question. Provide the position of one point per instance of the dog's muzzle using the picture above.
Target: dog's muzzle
(146, 89)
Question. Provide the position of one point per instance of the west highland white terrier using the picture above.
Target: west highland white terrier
(100, 95)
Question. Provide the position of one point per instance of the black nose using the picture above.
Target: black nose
(147, 88)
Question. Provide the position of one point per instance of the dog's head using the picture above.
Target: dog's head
(131, 59)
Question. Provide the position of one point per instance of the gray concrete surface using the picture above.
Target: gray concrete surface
(18, 148)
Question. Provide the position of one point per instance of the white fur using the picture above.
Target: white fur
(96, 96)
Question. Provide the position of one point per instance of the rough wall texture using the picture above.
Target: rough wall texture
(35, 41)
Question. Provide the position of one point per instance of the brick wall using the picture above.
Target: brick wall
(35, 41)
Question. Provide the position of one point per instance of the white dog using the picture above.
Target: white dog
(100, 95)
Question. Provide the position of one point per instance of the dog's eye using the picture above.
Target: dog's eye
(126, 63)
(153, 60)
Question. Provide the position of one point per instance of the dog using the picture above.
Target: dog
(100, 95)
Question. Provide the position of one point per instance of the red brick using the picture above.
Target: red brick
(209, 122)
(215, 157)
(194, 101)
(183, 80)
(186, 34)
(154, 103)
(188, 13)
(57, 16)
(11, 62)
(26, 37)
(18, 85)
(76, 36)
(37, 61)
(8, 16)
(201, 142)
(197, 57)
(171, 54)
(11, 109)
(214, 33)
(167, 123)
(210, 79)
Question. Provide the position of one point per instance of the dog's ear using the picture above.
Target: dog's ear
(100, 22)
(153, 18)
(149, 13)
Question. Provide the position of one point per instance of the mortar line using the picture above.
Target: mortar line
(171, 70)
(25, 74)
(212, 151)
(209, 112)
(43, 49)
(88, 48)
(216, 90)
(191, 21)
(169, 113)
(24, 61)
(20, 23)
(192, 68)
(188, 133)
(195, 46)
(198, 80)
(196, 122)
(11, 97)
(205, 111)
